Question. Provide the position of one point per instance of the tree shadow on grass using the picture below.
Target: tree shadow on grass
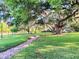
(56, 50)
(52, 48)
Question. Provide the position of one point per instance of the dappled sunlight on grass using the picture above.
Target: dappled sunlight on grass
(32, 45)
(59, 52)
(52, 47)
(71, 45)
(45, 49)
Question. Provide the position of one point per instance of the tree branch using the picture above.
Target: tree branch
(76, 3)
(69, 16)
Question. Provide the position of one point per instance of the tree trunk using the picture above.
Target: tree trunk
(58, 28)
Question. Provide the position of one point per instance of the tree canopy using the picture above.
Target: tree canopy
(26, 10)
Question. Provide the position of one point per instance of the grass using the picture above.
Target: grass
(52, 47)
(9, 41)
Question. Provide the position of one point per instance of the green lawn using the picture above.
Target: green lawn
(52, 47)
(9, 41)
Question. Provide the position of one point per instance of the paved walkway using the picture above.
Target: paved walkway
(9, 53)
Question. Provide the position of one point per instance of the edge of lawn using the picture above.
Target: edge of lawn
(12, 44)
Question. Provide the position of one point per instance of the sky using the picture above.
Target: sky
(1, 1)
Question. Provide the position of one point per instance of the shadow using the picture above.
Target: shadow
(49, 49)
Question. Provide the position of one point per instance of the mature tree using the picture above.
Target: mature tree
(25, 10)
(20, 9)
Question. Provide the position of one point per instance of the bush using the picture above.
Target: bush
(5, 27)
(15, 29)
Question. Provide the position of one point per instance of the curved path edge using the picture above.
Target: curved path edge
(11, 52)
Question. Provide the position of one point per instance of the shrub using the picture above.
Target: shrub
(14, 29)
(4, 27)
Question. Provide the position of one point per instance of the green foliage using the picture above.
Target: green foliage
(20, 9)
(4, 27)
(15, 29)
(56, 3)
